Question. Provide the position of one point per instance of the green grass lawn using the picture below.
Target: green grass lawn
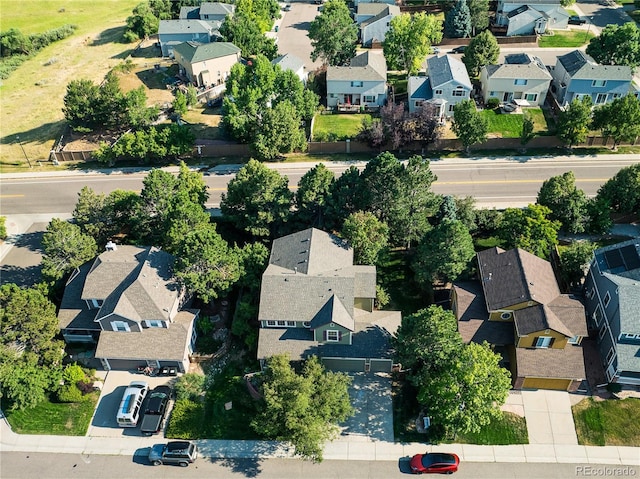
(607, 423)
(338, 127)
(568, 39)
(399, 82)
(508, 428)
(486, 243)
(62, 419)
(509, 125)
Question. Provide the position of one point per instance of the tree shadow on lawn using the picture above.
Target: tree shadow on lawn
(38, 135)
(110, 35)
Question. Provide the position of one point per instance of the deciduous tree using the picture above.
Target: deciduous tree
(333, 34)
(482, 50)
(142, 23)
(279, 132)
(65, 249)
(367, 235)
(246, 35)
(314, 189)
(574, 261)
(622, 192)
(616, 45)
(573, 122)
(479, 10)
(530, 229)
(468, 124)
(619, 120)
(567, 203)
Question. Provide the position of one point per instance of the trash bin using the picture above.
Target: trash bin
(276, 28)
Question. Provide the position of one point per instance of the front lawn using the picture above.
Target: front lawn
(509, 125)
(568, 39)
(508, 428)
(612, 422)
(338, 127)
(62, 419)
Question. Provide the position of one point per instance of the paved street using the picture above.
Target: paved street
(292, 33)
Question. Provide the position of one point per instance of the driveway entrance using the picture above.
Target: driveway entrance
(549, 418)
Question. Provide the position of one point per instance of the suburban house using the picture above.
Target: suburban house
(363, 84)
(576, 75)
(293, 63)
(206, 64)
(128, 302)
(520, 77)
(315, 301)
(175, 32)
(517, 307)
(612, 291)
(531, 17)
(374, 19)
(208, 11)
(447, 83)
(357, 3)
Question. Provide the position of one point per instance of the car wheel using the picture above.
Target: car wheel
(157, 463)
(449, 472)
(183, 464)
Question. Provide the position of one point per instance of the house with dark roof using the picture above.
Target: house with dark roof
(374, 20)
(447, 83)
(612, 296)
(128, 302)
(206, 64)
(293, 63)
(520, 77)
(315, 301)
(530, 17)
(517, 307)
(576, 75)
(361, 84)
(207, 11)
(175, 32)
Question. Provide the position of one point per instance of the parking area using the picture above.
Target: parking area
(292, 33)
(371, 398)
(103, 423)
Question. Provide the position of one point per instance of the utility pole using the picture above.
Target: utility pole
(24, 152)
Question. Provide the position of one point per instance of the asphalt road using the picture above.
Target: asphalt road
(602, 15)
(493, 182)
(57, 466)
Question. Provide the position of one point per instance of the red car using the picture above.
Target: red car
(434, 463)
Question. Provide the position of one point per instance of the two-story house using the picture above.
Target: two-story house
(208, 11)
(530, 17)
(175, 32)
(362, 84)
(447, 83)
(293, 63)
(128, 301)
(520, 77)
(374, 20)
(612, 295)
(518, 308)
(206, 64)
(315, 301)
(576, 75)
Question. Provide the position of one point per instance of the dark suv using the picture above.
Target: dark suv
(156, 409)
(182, 453)
(576, 20)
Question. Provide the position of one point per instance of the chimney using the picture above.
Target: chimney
(111, 246)
(295, 270)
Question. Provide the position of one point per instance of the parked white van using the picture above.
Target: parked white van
(131, 404)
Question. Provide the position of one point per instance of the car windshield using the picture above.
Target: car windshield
(428, 460)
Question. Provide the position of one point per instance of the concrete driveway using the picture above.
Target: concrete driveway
(371, 398)
(549, 418)
(292, 33)
(103, 423)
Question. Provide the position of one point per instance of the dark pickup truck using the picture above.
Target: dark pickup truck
(156, 409)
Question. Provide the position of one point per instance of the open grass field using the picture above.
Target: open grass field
(31, 99)
(565, 39)
(607, 423)
(342, 126)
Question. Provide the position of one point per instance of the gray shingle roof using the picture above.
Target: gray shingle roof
(333, 311)
(194, 52)
(579, 65)
(186, 26)
(288, 62)
(370, 8)
(567, 363)
(527, 71)
(388, 10)
(74, 313)
(216, 8)
(419, 87)
(190, 13)
(628, 356)
(443, 69)
(368, 66)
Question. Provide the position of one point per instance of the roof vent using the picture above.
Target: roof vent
(111, 246)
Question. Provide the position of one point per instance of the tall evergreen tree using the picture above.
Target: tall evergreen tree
(457, 21)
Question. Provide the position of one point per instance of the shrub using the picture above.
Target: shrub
(3, 228)
(493, 103)
(187, 419)
(190, 386)
(70, 393)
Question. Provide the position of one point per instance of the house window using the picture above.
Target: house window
(630, 336)
(520, 81)
(543, 341)
(591, 293)
(438, 92)
(451, 107)
(154, 323)
(574, 340)
(615, 95)
(356, 83)
(599, 83)
(597, 315)
(607, 299)
(333, 95)
(96, 303)
(270, 322)
(492, 93)
(610, 356)
(531, 97)
(281, 323)
(603, 330)
(291, 323)
(307, 324)
(505, 315)
(120, 326)
(418, 103)
(459, 92)
(369, 98)
(601, 98)
(333, 335)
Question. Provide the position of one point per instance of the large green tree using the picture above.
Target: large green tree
(65, 248)
(622, 192)
(258, 200)
(261, 12)
(279, 132)
(574, 262)
(333, 34)
(573, 121)
(382, 185)
(619, 120)
(142, 23)
(314, 189)
(468, 124)
(345, 197)
(567, 203)
(246, 35)
(409, 39)
(444, 253)
(530, 229)
(616, 45)
(457, 21)
(303, 409)
(367, 235)
(482, 50)
(479, 10)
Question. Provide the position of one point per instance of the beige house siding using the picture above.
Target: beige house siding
(209, 72)
(497, 315)
(501, 87)
(546, 383)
